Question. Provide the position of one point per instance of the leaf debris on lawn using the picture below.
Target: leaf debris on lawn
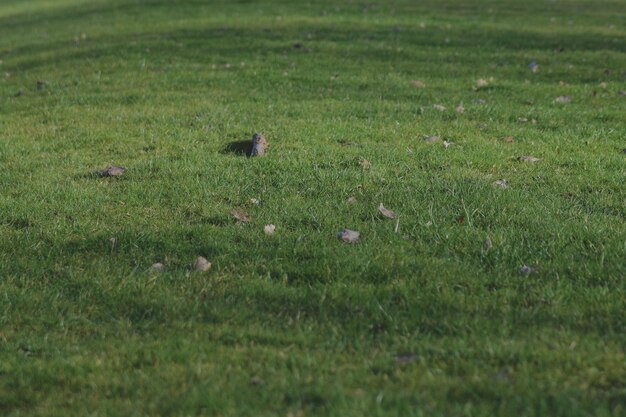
(157, 267)
(439, 107)
(365, 164)
(460, 109)
(269, 229)
(487, 244)
(386, 212)
(563, 99)
(348, 236)
(418, 84)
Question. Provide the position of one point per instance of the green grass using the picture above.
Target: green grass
(86, 329)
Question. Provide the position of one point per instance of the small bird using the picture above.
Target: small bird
(259, 145)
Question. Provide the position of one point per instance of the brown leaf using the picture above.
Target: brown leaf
(365, 164)
(508, 139)
(481, 83)
(201, 264)
(528, 158)
(418, 84)
(460, 219)
(385, 212)
(112, 171)
(348, 236)
(239, 214)
(259, 145)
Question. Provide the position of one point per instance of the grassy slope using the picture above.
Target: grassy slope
(86, 328)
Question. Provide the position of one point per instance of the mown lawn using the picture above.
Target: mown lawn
(418, 318)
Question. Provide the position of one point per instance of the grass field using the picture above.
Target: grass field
(419, 317)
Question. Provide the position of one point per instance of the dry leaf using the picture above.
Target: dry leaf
(526, 270)
(508, 139)
(157, 267)
(501, 183)
(418, 84)
(439, 107)
(239, 214)
(433, 138)
(460, 219)
(487, 245)
(460, 109)
(528, 158)
(352, 200)
(254, 201)
(603, 85)
(481, 83)
(111, 171)
(385, 212)
(269, 229)
(348, 236)
(201, 264)
(365, 164)
(259, 145)
(447, 144)
(563, 99)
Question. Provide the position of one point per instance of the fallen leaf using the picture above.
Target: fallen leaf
(348, 236)
(254, 201)
(522, 120)
(433, 138)
(439, 107)
(562, 83)
(526, 270)
(528, 158)
(460, 219)
(460, 109)
(201, 264)
(418, 84)
(365, 164)
(603, 85)
(259, 145)
(352, 200)
(447, 144)
(112, 171)
(157, 267)
(239, 214)
(487, 245)
(501, 183)
(481, 83)
(385, 212)
(563, 99)
(269, 229)
(508, 139)
(405, 358)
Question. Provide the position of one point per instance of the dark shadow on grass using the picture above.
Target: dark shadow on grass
(240, 148)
